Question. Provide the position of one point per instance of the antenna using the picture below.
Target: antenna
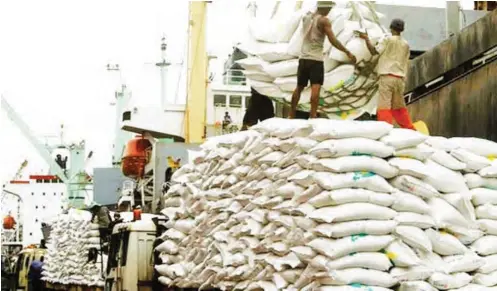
(163, 64)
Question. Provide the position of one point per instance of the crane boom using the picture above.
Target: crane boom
(196, 104)
(26, 131)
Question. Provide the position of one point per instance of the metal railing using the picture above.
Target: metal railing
(234, 77)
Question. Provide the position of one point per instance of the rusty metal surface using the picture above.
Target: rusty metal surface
(472, 41)
(466, 107)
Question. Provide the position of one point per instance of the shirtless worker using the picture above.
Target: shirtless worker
(311, 67)
(392, 68)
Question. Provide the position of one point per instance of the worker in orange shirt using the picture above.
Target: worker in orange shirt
(392, 68)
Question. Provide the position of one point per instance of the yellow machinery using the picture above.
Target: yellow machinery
(21, 269)
(196, 104)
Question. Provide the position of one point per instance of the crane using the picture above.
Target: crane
(76, 179)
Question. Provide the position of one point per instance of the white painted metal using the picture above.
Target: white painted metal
(453, 17)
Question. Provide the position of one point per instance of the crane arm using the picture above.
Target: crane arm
(196, 103)
(24, 128)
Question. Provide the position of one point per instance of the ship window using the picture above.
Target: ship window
(236, 101)
(61, 193)
(36, 207)
(126, 115)
(43, 193)
(54, 194)
(220, 100)
(31, 234)
(33, 193)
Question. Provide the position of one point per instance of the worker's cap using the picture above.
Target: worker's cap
(326, 4)
(397, 24)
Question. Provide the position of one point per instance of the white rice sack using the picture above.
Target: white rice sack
(420, 152)
(303, 178)
(401, 138)
(357, 46)
(343, 229)
(350, 147)
(171, 271)
(445, 215)
(486, 211)
(487, 280)
(482, 196)
(356, 164)
(486, 245)
(401, 254)
(405, 202)
(466, 235)
(414, 237)
(375, 261)
(364, 180)
(489, 226)
(462, 202)
(450, 162)
(267, 88)
(338, 129)
(439, 175)
(477, 181)
(330, 64)
(347, 245)
(415, 273)
(286, 84)
(284, 128)
(352, 211)
(252, 63)
(305, 161)
(271, 158)
(414, 186)
(361, 276)
(463, 263)
(410, 167)
(308, 194)
(432, 260)
(302, 143)
(169, 247)
(414, 219)
(416, 286)
(343, 196)
(269, 52)
(445, 282)
(473, 161)
(489, 266)
(444, 243)
(441, 143)
(281, 69)
(488, 172)
(482, 147)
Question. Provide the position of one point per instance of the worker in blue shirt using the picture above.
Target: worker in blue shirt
(34, 275)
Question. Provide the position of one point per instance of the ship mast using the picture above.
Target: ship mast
(163, 66)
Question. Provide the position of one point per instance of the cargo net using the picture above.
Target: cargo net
(348, 91)
(349, 99)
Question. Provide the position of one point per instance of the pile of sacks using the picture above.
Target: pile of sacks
(276, 44)
(71, 238)
(333, 205)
